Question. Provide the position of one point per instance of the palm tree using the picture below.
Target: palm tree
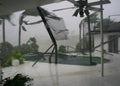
(32, 12)
(20, 27)
(29, 12)
(33, 44)
(3, 19)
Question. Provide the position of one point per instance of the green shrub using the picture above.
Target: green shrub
(62, 49)
(18, 55)
(21, 60)
(8, 62)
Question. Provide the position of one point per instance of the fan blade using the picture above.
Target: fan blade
(94, 9)
(64, 9)
(98, 3)
(76, 12)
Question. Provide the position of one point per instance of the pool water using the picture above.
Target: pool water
(71, 60)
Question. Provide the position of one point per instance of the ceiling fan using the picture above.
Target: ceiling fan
(83, 7)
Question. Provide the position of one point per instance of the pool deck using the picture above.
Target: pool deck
(45, 74)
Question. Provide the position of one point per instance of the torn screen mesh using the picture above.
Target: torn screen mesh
(55, 23)
(58, 28)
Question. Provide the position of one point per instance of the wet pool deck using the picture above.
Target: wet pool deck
(46, 74)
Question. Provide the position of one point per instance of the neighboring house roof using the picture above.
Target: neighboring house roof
(115, 27)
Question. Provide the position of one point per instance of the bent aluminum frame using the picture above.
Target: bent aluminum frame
(49, 32)
(51, 36)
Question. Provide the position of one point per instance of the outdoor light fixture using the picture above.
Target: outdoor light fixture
(84, 6)
(86, 12)
(81, 4)
(81, 13)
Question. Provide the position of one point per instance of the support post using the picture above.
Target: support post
(80, 27)
(49, 32)
(102, 39)
(0, 72)
(89, 32)
(51, 55)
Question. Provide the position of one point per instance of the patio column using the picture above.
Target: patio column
(102, 39)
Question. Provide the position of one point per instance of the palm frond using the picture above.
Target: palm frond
(8, 17)
(37, 22)
(23, 28)
(21, 17)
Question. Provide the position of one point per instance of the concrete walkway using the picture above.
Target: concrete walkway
(45, 74)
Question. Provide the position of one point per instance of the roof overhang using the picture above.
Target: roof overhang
(10, 6)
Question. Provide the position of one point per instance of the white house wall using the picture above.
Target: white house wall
(119, 45)
(97, 41)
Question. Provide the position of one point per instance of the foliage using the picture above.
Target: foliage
(14, 55)
(18, 80)
(8, 47)
(25, 48)
(7, 17)
(18, 55)
(8, 62)
(10, 54)
(83, 45)
(28, 47)
(5, 55)
(62, 49)
(32, 43)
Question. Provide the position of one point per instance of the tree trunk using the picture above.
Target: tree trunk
(4, 31)
(19, 36)
(4, 40)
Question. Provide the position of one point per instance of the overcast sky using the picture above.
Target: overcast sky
(72, 23)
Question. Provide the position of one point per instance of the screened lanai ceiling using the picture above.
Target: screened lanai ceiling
(10, 6)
